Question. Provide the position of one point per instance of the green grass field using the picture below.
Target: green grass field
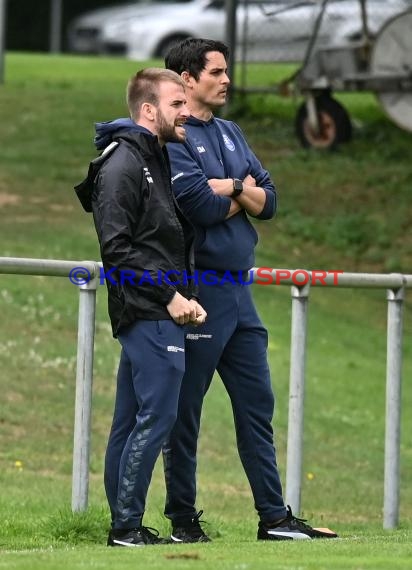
(347, 210)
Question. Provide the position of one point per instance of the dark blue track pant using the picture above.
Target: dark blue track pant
(233, 341)
(148, 383)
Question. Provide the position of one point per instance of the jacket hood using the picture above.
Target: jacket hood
(106, 130)
(111, 132)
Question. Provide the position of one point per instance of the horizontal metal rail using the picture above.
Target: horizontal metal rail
(46, 267)
(301, 282)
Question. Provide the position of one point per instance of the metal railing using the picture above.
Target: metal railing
(85, 350)
(395, 284)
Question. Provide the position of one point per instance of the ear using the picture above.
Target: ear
(148, 111)
(187, 78)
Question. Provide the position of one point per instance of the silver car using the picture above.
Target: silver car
(267, 30)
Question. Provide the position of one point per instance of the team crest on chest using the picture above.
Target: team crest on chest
(229, 144)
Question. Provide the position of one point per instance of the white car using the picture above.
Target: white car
(267, 30)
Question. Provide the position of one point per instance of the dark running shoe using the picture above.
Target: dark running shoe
(190, 531)
(141, 536)
(292, 528)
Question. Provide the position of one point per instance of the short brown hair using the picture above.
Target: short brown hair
(143, 87)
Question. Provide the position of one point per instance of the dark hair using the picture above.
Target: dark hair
(191, 55)
(143, 87)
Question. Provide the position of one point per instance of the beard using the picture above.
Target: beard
(166, 131)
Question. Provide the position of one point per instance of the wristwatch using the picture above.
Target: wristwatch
(237, 187)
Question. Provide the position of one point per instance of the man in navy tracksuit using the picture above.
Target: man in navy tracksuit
(219, 183)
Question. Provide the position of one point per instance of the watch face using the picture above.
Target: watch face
(237, 184)
(237, 187)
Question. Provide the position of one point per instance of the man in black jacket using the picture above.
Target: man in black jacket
(147, 253)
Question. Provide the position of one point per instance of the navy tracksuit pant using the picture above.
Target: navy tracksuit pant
(148, 383)
(233, 341)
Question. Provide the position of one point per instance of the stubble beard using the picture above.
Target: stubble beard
(167, 132)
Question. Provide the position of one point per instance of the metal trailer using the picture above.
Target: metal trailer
(381, 64)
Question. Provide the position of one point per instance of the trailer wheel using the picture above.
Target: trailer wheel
(334, 123)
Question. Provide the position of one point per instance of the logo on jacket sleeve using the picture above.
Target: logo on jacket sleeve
(229, 144)
(178, 175)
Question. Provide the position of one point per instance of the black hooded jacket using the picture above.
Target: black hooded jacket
(146, 243)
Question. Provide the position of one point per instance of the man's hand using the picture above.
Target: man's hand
(253, 198)
(249, 181)
(222, 187)
(181, 310)
(200, 313)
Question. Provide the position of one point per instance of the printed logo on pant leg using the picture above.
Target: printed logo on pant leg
(198, 336)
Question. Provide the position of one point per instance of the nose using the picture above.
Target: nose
(185, 112)
(226, 79)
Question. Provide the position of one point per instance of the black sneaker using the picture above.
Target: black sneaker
(190, 531)
(134, 537)
(291, 528)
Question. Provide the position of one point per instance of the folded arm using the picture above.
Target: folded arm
(253, 198)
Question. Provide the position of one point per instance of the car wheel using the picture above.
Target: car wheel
(167, 44)
(334, 124)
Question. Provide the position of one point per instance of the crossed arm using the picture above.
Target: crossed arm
(252, 199)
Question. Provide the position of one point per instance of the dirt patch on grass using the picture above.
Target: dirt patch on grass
(38, 200)
(61, 208)
(27, 219)
(7, 199)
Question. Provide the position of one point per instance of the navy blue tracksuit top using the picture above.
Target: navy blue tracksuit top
(218, 149)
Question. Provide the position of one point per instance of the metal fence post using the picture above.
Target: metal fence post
(2, 38)
(393, 408)
(300, 301)
(56, 13)
(84, 380)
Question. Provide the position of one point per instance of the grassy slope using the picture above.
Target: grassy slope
(47, 109)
